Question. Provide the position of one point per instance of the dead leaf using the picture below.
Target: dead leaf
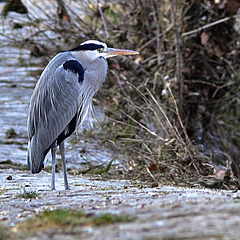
(218, 51)
(204, 38)
(233, 6)
(154, 185)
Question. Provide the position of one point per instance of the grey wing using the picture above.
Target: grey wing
(54, 104)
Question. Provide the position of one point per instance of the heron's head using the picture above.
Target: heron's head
(93, 49)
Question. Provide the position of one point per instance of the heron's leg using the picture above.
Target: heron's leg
(61, 147)
(53, 151)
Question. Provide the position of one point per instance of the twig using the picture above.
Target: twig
(178, 57)
(145, 128)
(78, 20)
(104, 22)
(156, 19)
(165, 125)
(189, 143)
(151, 175)
(155, 38)
(168, 123)
(207, 26)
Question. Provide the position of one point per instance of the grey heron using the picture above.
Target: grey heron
(61, 100)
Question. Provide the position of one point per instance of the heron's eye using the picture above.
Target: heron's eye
(99, 49)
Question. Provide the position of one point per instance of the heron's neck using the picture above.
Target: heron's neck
(85, 57)
(90, 61)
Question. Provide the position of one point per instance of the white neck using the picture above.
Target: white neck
(85, 57)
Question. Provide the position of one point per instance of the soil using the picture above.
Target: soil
(163, 212)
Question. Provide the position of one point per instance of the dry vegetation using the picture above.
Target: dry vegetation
(174, 110)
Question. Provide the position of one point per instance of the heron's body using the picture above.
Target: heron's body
(61, 100)
(58, 103)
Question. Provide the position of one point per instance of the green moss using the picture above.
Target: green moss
(109, 219)
(28, 194)
(66, 220)
(10, 133)
(4, 233)
(6, 164)
(48, 168)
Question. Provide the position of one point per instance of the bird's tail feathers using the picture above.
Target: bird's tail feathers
(35, 156)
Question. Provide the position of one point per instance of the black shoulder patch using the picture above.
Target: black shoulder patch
(75, 67)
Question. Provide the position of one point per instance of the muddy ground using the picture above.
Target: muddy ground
(164, 212)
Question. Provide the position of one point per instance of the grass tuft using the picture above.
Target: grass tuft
(4, 233)
(64, 220)
(109, 219)
(28, 194)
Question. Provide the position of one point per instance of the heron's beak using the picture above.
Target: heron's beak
(112, 52)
